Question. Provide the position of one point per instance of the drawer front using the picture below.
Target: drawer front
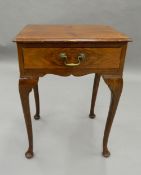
(48, 58)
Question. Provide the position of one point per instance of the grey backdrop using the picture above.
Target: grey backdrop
(123, 14)
(66, 141)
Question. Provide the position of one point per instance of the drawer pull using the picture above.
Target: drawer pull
(80, 58)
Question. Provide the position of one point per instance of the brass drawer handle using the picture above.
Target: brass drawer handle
(80, 58)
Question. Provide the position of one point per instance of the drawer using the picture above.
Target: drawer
(62, 58)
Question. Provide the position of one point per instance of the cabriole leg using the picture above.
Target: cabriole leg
(37, 102)
(94, 95)
(25, 87)
(115, 85)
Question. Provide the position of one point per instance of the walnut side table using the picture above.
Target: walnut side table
(70, 50)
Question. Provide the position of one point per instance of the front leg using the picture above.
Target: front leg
(25, 87)
(115, 85)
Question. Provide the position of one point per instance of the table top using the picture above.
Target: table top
(70, 33)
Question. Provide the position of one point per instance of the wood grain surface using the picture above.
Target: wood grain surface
(100, 58)
(62, 33)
